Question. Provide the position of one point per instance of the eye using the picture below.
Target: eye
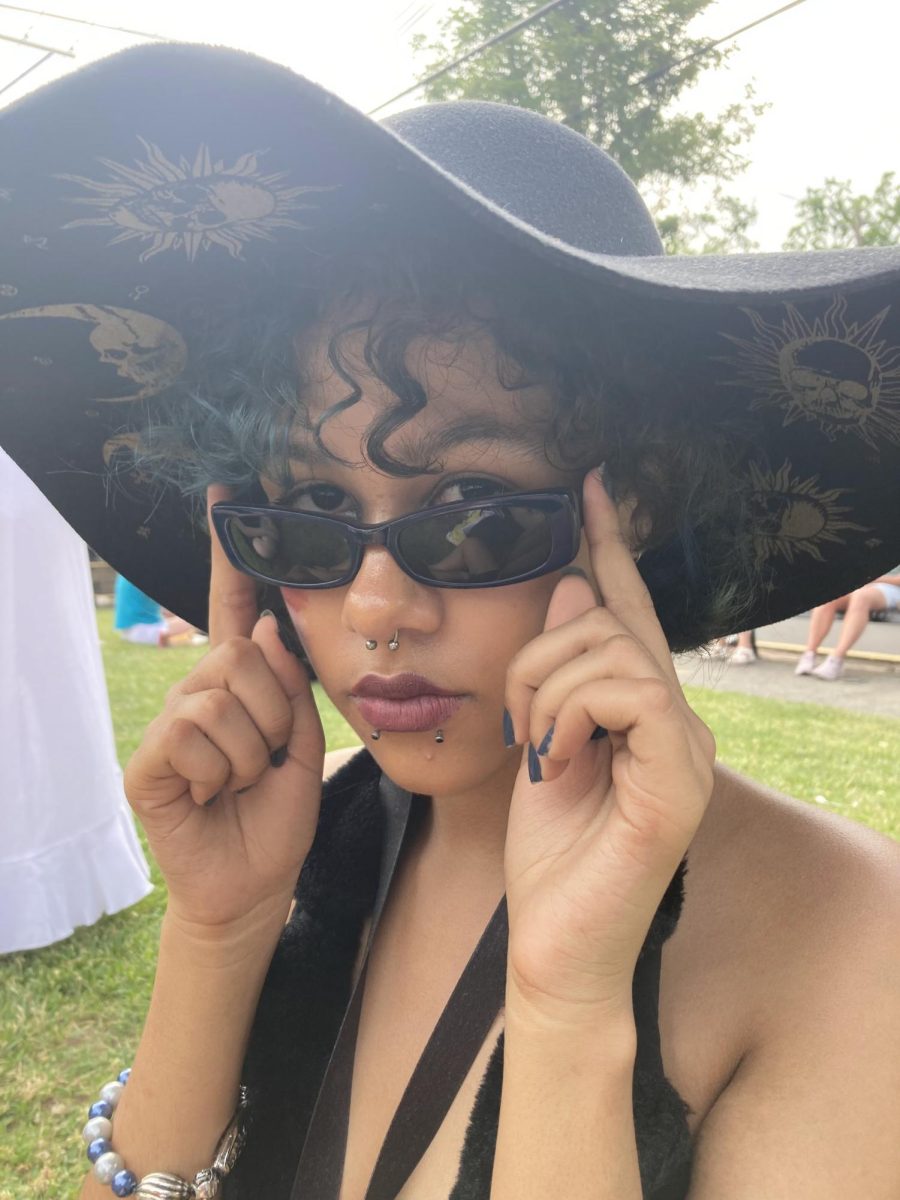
(324, 498)
(471, 488)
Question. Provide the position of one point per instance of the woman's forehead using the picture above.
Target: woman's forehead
(467, 403)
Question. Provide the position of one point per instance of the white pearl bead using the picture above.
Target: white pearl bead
(108, 1165)
(111, 1092)
(97, 1127)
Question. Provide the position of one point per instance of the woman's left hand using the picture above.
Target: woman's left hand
(591, 849)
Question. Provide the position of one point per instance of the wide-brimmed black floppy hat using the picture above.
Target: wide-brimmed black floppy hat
(139, 190)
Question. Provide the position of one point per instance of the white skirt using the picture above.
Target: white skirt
(68, 847)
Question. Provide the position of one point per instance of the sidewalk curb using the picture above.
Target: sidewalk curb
(875, 656)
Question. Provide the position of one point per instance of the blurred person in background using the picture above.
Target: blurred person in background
(882, 595)
(142, 621)
(69, 852)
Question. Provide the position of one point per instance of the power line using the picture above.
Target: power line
(719, 41)
(657, 74)
(34, 66)
(492, 41)
(5, 37)
(34, 12)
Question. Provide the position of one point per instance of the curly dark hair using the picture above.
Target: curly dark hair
(231, 420)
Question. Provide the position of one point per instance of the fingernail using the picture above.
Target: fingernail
(599, 734)
(546, 740)
(278, 757)
(267, 612)
(534, 766)
(574, 571)
(211, 800)
(509, 734)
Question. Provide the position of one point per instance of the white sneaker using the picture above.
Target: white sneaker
(743, 656)
(832, 668)
(806, 663)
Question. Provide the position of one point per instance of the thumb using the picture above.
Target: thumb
(307, 741)
(572, 597)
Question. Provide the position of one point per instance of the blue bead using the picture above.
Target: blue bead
(123, 1078)
(100, 1108)
(97, 1147)
(124, 1183)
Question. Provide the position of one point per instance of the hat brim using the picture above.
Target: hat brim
(102, 247)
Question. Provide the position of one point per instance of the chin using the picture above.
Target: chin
(418, 764)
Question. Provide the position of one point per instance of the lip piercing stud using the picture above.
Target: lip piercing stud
(376, 734)
(370, 645)
(394, 643)
(439, 736)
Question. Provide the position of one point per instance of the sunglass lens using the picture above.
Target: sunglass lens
(478, 546)
(289, 550)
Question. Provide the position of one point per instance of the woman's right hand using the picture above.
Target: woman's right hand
(245, 707)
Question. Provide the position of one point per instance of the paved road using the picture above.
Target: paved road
(866, 686)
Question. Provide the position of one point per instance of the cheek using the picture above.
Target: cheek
(298, 604)
(295, 601)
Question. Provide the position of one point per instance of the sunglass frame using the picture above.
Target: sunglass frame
(561, 503)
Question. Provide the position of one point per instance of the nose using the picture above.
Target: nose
(383, 600)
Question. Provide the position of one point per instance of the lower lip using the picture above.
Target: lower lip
(415, 715)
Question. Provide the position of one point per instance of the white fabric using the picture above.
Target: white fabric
(68, 847)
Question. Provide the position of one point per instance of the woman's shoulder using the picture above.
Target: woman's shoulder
(780, 1006)
(787, 952)
(788, 884)
(767, 854)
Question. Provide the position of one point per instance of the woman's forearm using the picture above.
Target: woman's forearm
(566, 1121)
(186, 1071)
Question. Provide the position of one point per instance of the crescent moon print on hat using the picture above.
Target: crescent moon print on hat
(153, 200)
(191, 204)
(144, 350)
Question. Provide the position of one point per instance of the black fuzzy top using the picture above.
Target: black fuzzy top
(308, 988)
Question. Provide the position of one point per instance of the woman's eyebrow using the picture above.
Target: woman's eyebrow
(482, 430)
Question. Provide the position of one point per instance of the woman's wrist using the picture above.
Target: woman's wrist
(542, 1015)
(234, 943)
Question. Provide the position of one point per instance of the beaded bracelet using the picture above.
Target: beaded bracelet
(109, 1167)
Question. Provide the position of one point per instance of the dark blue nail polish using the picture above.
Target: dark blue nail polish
(573, 571)
(208, 803)
(267, 612)
(599, 734)
(509, 734)
(278, 757)
(534, 766)
(546, 740)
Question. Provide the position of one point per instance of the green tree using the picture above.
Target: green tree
(833, 218)
(612, 70)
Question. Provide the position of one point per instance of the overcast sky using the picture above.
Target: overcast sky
(827, 67)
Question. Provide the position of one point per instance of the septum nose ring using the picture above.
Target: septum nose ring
(393, 644)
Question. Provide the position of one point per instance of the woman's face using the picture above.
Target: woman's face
(491, 441)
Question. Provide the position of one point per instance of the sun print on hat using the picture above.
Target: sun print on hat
(828, 370)
(794, 516)
(191, 204)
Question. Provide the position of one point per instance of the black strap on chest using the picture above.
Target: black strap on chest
(439, 1073)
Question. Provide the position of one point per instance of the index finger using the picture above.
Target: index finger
(233, 607)
(621, 587)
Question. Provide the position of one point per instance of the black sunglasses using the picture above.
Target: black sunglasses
(492, 543)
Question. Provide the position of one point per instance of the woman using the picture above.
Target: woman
(437, 425)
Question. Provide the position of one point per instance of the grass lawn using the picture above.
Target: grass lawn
(70, 1015)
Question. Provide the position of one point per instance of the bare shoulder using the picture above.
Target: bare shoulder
(783, 999)
(784, 855)
(790, 889)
